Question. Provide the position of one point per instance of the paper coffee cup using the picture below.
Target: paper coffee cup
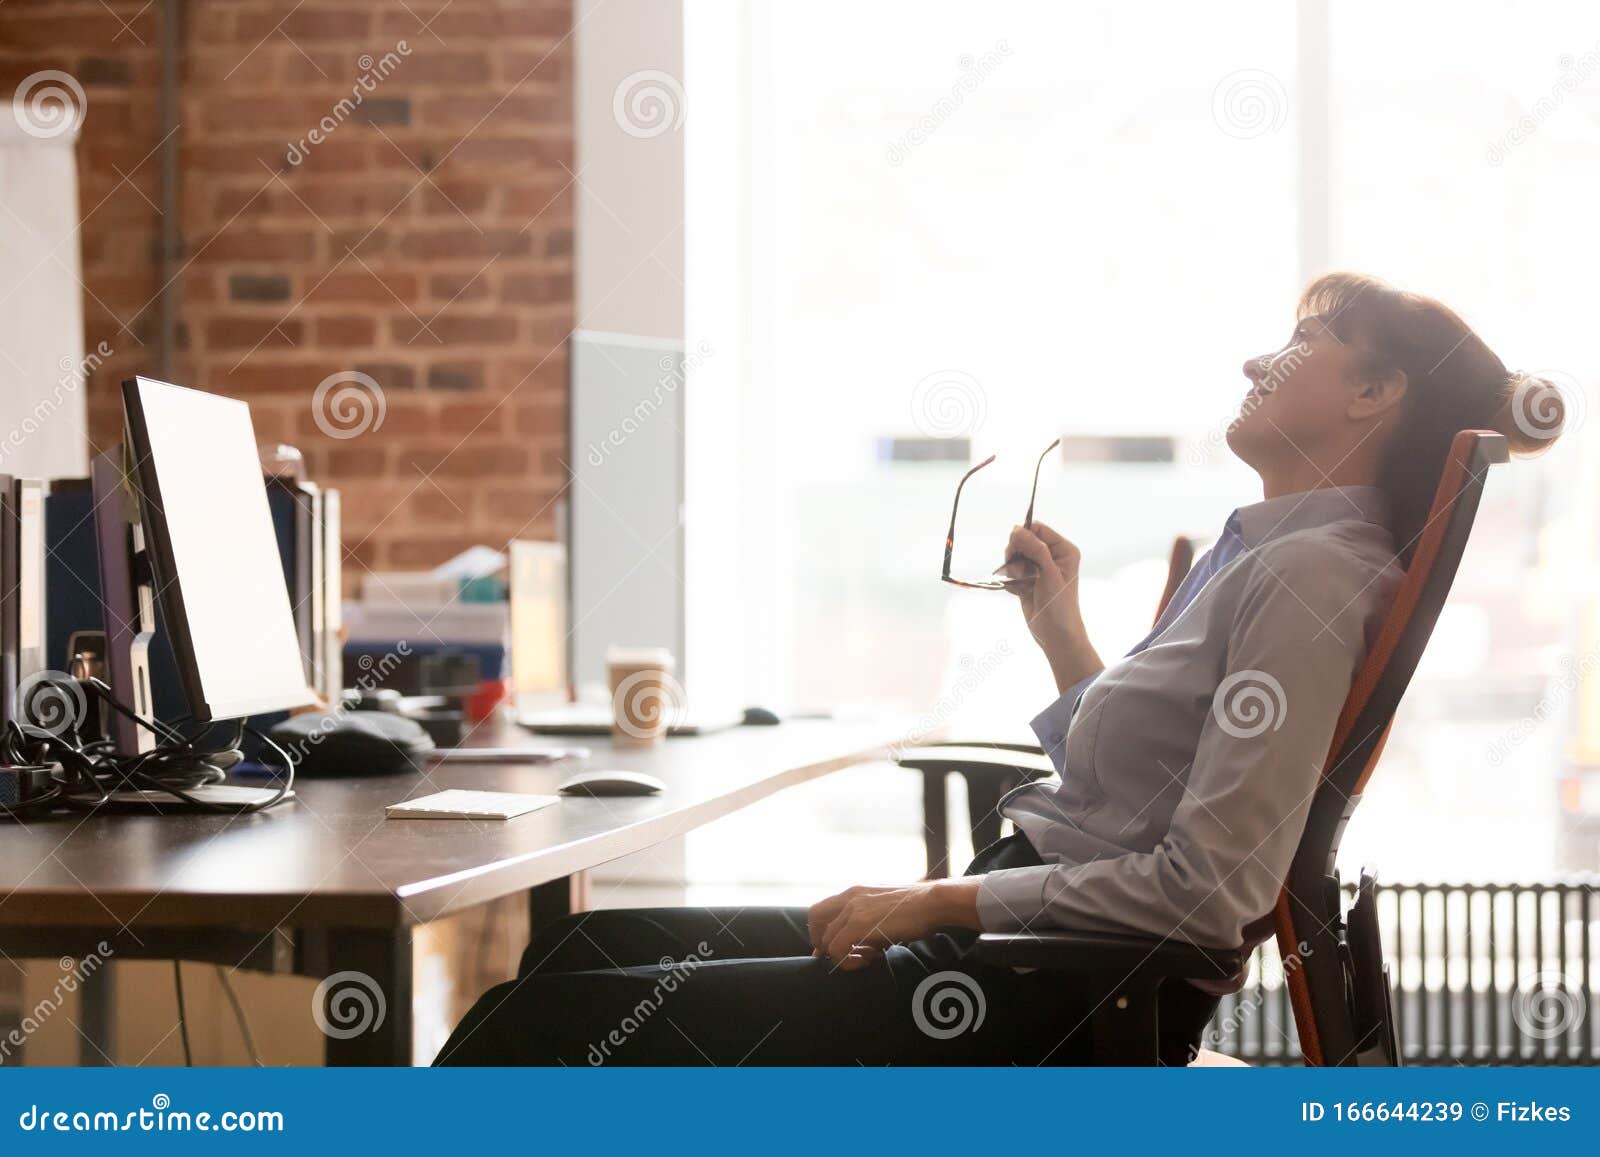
(645, 698)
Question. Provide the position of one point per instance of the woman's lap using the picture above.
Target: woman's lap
(727, 986)
(686, 1006)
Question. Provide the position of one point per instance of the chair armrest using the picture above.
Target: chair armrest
(990, 744)
(1029, 764)
(1102, 952)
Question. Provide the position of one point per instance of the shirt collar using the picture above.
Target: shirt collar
(1261, 522)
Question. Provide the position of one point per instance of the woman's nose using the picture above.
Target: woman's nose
(1256, 368)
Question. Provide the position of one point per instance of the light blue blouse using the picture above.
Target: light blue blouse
(1187, 768)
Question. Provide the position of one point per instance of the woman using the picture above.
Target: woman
(1187, 767)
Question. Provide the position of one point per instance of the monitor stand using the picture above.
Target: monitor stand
(128, 601)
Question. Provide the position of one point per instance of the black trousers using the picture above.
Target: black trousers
(717, 986)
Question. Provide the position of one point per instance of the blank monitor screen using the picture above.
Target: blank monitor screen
(215, 558)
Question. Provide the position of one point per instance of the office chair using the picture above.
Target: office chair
(988, 780)
(1333, 961)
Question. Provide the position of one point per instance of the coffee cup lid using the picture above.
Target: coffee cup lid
(640, 657)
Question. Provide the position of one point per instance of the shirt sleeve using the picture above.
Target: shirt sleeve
(1298, 633)
(1050, 725)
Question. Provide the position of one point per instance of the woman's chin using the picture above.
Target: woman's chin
(1242, 438)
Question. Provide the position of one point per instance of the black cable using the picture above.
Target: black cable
(92, 770)
(238, 1015)
(183, 1019)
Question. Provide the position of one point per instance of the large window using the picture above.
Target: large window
(977, 227)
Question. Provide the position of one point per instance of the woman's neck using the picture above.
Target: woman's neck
(1307, 474)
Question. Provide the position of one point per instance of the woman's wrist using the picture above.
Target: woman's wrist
(956, 902)
(1073, 658)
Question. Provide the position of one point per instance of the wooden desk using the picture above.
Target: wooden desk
(326, 884)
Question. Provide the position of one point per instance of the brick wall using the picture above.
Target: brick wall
(421, 236)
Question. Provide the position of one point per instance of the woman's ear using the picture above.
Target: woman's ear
(1378, 395)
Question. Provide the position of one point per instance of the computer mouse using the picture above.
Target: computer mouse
(596, 783)
(759, 717)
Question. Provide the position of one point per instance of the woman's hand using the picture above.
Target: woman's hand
(854, 927)
(1049, 598)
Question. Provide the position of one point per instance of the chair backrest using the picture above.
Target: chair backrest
(1308, 913)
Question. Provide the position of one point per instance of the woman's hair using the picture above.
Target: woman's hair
(1454, 382)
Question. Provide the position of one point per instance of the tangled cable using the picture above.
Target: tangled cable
(84, 772)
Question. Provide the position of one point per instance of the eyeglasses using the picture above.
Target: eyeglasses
(950, 538)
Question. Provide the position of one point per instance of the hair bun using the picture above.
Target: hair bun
(1535, 412)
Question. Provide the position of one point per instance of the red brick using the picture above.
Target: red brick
(538, 418)
(261, 375)
(306, 23)
(449, 288)
(254, 333)
(361, 457)
(464, 244)
(536, 288)
(484, 407)
(480, 459)
(360, 286)
(245, 244)
(340, 199)
(345, 331)
(474, 418)
(454, 329)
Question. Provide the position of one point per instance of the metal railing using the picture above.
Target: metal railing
(1482, 973)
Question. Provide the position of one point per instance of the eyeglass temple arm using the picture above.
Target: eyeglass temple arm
(950, 536)
(1039, 465)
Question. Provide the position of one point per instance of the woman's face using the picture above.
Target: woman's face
(1298, 404)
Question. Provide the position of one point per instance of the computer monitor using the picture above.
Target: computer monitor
(22, 586)
(213, 555)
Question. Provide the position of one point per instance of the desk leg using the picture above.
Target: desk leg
(548, 903)
(364, 1004)
(97, 1017)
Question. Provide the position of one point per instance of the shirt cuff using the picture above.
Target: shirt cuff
(1012, 899)
(1051, 724)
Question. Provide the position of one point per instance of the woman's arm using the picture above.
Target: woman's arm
(1295, 641)
(1049, 599)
